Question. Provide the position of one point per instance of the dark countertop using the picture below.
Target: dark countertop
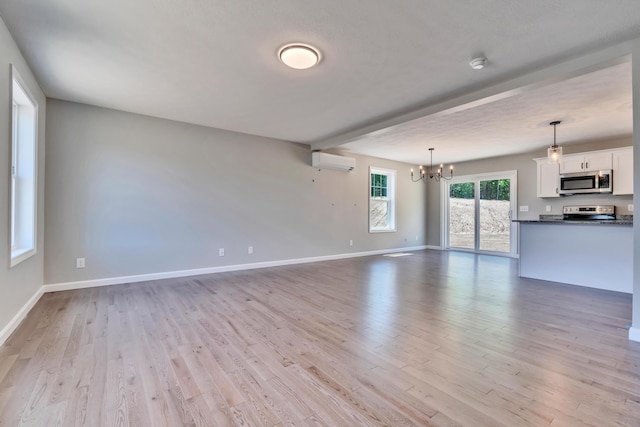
(562, 221)
(558, 219)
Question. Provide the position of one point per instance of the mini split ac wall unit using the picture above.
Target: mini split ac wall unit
(332, 161)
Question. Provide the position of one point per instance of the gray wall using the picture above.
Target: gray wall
(136, 195)
(527, 177)
(21, 282)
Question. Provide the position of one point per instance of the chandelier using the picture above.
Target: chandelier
(437, 175)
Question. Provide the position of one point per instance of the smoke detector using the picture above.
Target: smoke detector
(478, 63)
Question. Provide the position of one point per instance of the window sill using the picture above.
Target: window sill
(383, 231)
(19, 255)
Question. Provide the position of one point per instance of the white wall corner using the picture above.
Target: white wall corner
(634, 334)
(6, 332)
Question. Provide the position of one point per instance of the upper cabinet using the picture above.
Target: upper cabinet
(548, 178)
(586, 162)
(619, 160)
(623, 171)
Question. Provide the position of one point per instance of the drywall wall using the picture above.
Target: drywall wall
(527, 178)
(20, 283)
(139, 195)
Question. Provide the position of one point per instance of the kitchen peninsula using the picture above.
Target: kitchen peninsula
(597, 254)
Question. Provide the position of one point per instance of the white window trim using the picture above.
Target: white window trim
(18, 255)
(391, 194)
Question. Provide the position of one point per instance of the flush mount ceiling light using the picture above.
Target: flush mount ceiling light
(478, 63)
(299, 56)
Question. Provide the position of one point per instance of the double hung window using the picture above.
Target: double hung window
(23, 172)
(381, 200)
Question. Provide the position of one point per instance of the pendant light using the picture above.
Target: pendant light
(554, 152)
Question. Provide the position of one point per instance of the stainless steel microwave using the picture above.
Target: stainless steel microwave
(586, 182)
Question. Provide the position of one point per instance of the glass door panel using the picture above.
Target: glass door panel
(462, 215)
(495, 215)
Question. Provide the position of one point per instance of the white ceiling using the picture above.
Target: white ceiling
(214, 63)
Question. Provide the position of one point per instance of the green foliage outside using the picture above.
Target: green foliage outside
(378, 185)
(497, 189)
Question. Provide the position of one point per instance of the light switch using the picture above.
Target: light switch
(524, 208)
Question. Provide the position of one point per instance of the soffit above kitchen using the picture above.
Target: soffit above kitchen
(215, 63)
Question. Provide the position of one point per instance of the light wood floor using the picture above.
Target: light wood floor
(435, 338)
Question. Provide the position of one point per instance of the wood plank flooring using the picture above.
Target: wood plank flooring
(431, 339)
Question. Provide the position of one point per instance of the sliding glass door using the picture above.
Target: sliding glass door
(478, 213)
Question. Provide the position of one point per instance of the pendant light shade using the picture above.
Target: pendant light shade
(554, 152)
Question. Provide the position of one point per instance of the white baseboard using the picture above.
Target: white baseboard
(436, 248)
(634, 334)
(6, 332)
(209, 270)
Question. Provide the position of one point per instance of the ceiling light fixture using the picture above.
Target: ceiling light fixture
(478, 63)
(299, 56)
(432, 175)
(554, 152)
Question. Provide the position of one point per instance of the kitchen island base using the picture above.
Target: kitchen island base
(594, 255)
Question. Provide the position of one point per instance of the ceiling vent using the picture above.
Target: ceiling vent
(321, 160)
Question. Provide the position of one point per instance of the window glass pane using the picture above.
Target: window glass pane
(462, 215)
(23, 177)
(378, 214)
(495, 221)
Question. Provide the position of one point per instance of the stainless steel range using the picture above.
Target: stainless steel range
(586, 213)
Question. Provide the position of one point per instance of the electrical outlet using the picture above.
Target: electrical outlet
(630, 208)
(79, 262)
(416, 237)
(524, 208)
(250, 250)
(221, 252)
(548, 208)
(350, 242)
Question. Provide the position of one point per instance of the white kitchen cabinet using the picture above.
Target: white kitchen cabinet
(548, 178)
(585, 162)
(623, 171)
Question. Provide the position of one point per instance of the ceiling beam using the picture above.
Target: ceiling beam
(555, 73)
